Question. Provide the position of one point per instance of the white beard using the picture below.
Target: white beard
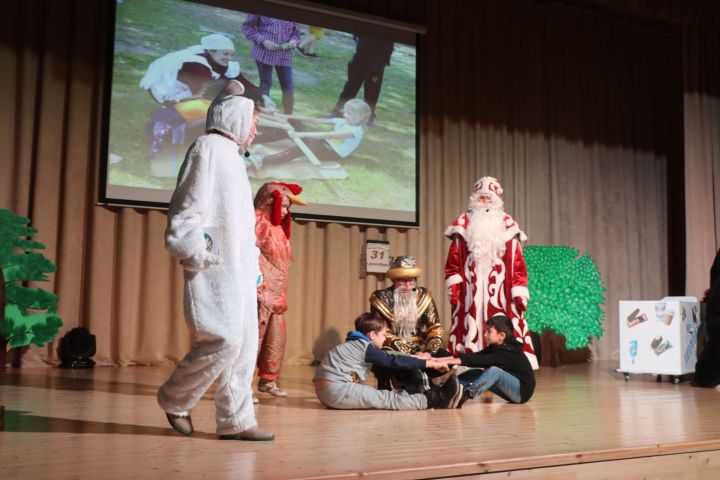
(486, 235)
(405, 313)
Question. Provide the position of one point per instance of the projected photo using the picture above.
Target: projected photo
(338, 108)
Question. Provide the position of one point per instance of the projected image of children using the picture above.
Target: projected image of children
(184, 83)
(320, 148)
(171, 57)
(273, 43)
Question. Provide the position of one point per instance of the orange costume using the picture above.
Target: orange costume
(272, 229)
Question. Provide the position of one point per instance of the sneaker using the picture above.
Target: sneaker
(271, 388)
(455, 403)
(466, 395)
(256, 161)
(445, 396)
(255, 400)
(306, 53)
(268, 104)
(181, 423)
(253, 434)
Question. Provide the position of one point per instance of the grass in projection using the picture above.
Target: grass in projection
(380, 174)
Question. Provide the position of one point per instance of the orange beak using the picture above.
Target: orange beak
(295, 200)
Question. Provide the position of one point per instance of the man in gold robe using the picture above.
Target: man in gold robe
(413, 322)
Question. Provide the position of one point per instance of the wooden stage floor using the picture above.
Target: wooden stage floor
(583, 422)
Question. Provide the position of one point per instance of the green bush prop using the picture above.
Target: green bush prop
(24, 321)
(566, 292)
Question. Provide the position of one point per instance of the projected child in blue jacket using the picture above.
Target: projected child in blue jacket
(332, 145)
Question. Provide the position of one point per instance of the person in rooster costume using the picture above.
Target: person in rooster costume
(272, 230)
(485, 271)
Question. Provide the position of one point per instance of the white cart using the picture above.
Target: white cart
(659, 337)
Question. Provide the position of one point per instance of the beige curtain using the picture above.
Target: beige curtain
(702, 155)
(570, 110)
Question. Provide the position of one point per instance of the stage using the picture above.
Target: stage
(584, 421)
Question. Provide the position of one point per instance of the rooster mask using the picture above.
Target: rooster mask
(270, 197)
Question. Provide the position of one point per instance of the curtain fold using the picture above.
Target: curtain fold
(702, 154)
(570, 110)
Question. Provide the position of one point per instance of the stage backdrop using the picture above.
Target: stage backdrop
(702, 153)
(575, 112)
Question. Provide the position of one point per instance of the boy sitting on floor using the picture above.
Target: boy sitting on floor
(502, 367)
(339, 376)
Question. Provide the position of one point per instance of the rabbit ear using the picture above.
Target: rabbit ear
(233, 88)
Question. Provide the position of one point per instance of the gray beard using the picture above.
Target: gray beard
(404, 313)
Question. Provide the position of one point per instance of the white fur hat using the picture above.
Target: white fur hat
(488, 186)
(217, 41)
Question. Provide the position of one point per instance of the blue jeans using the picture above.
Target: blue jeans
(494, 379)
(285, 75)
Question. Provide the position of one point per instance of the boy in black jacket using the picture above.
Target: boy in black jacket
(506, 370)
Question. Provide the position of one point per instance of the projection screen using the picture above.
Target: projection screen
(357, 162)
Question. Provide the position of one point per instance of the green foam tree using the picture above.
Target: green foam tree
(29, 313)
(566, 292)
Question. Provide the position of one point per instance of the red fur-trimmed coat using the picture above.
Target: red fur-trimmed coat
(474, 299)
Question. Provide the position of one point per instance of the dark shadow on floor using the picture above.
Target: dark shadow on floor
(22, 422)
(82, 384)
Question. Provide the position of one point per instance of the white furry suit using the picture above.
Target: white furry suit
(213, 205)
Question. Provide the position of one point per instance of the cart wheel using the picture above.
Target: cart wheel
(677, 379)
(626, 376)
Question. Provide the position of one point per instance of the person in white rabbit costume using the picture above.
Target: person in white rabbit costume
(211, 230)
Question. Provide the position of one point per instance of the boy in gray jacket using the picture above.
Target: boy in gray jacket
(338, 379)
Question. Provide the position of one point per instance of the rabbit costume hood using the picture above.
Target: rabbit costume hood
(231, 113)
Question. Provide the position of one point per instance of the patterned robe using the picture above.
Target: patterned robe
(484, 294)
(428, 332)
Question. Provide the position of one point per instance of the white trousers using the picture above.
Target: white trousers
(210, 358)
